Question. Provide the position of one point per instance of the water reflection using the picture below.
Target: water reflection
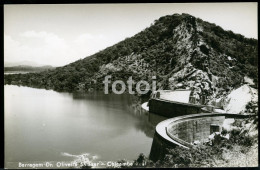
(154, 119)
(131, 105)
(41, 124)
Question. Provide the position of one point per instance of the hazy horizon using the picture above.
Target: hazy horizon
(59, 34)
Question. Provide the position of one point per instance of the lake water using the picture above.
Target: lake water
(44, 125)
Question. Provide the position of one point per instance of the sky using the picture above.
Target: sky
(58, 34)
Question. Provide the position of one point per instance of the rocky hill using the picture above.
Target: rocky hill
(180, 50)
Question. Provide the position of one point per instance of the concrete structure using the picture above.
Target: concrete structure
(145, 106)
(188, 122)
(179, 95)
(172, 108)
(170, 103)
(183, 130)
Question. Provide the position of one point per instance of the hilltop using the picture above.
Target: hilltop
(180, 50)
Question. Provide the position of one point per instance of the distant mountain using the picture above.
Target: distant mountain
(26, 68)
(22, 63)
(181, 50)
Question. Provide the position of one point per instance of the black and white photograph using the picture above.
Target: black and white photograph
(130, 85)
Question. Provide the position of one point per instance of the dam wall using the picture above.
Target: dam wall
(159, 146)
(183, 130)
(196, 129)
(170, 109)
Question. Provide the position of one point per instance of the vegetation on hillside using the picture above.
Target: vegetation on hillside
(166, 47)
